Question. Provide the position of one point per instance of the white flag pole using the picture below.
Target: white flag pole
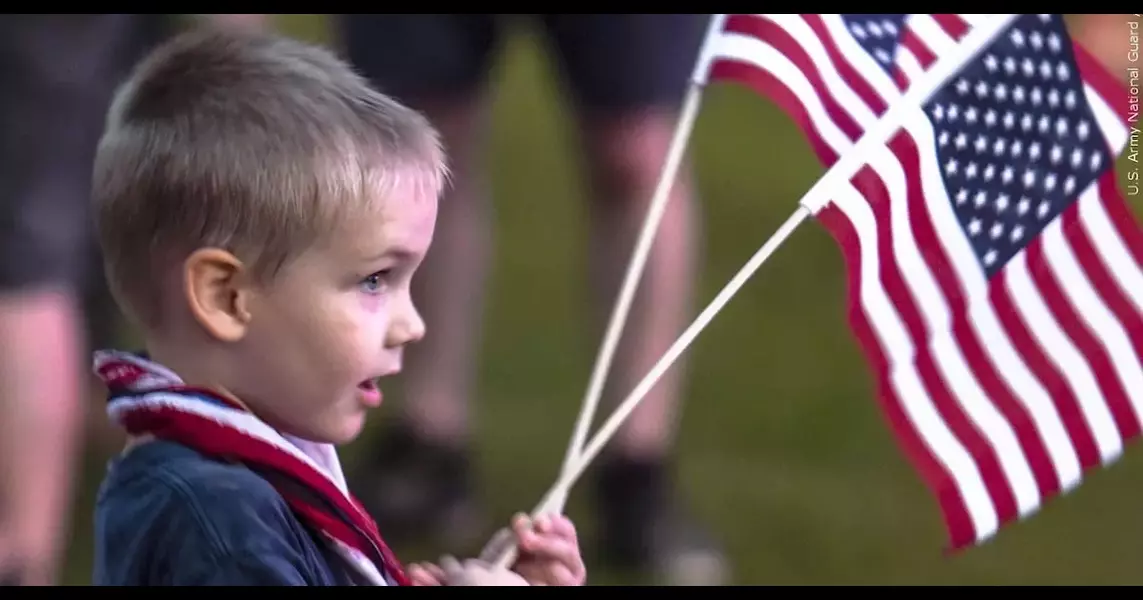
(813, 201)
(659, 199)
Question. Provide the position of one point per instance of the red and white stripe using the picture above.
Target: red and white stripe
(159, 404)
(813, 68)
(1003, 391)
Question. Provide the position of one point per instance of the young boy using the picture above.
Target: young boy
(261, 211)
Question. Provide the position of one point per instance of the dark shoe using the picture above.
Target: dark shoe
(419, 492)
(643, 528)
(11, 577)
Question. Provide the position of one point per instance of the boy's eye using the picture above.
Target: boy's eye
(374, 283)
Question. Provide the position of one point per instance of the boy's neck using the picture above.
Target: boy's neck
(134, 441)
(187, 362)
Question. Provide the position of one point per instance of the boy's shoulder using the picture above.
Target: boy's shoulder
(167, 515)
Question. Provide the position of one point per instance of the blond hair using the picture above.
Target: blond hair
(254, 143)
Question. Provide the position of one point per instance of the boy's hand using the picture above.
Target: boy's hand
(548, 550)
(426, 574)
(475, 572)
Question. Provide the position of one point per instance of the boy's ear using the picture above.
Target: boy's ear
(216, 285)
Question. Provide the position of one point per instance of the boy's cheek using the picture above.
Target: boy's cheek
(371, 303)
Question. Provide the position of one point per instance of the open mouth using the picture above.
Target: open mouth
(370, 392)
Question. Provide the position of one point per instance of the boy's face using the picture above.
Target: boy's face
(334, 321)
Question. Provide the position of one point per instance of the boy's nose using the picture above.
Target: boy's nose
(406, 328)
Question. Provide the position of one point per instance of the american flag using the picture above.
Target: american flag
(996, 279)
(834, 75)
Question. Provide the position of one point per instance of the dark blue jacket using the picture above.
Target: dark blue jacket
(167, 515)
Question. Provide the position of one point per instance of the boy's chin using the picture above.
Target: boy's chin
(337, 431)
(350, 428)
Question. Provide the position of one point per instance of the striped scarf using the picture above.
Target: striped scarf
(147, 398)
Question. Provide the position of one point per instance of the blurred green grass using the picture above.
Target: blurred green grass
(783, 448)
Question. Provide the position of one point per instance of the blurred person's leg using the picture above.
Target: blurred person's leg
(627, 75)
(106, 325)
(1107, 36)
(418, 478)
(141, 34)
(53, 93)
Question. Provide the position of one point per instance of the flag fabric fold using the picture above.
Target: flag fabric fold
(996, 280)
(834, 75)
(995, 271)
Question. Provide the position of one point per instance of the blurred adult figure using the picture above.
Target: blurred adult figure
(57, 76)
(1108, 37)
(626, 75)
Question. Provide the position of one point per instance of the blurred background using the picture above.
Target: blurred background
(783, 450)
